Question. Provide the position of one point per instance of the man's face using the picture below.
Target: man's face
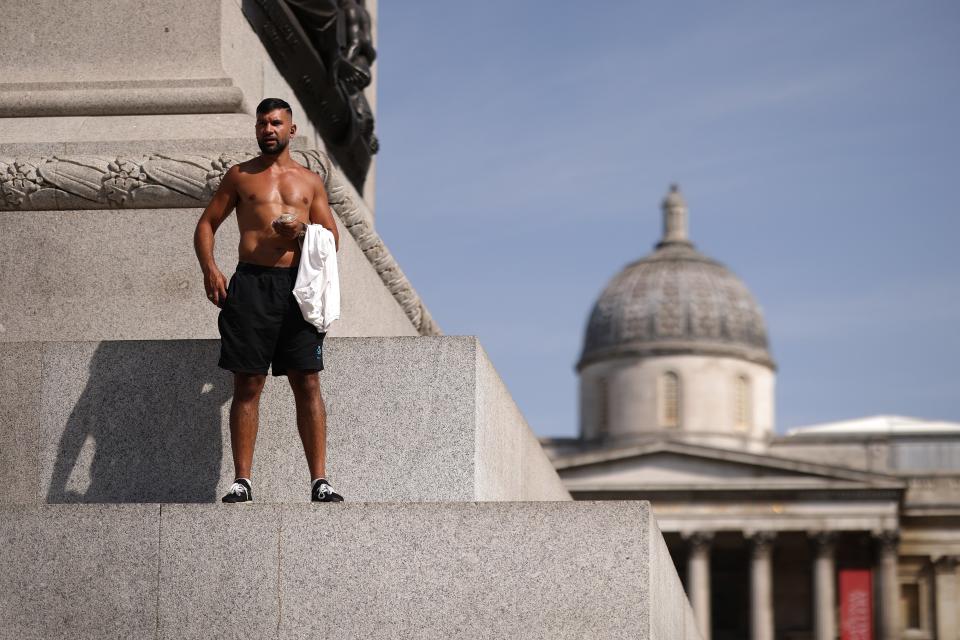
(274, 130)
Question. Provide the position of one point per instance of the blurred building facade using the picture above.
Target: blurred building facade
(848, 529)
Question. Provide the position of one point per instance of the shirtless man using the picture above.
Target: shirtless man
(260, 321)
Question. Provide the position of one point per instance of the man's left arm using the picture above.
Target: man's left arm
(320, 212)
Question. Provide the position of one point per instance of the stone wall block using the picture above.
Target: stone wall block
(20, 366)
(76, 572)
(219, 571)
(465, 571)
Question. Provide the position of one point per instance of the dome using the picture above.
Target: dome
(676, 301)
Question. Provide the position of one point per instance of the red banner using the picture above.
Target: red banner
(856, 604)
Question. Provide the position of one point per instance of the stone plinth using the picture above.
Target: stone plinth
(410, 419)
(132, 275)
(468, 570)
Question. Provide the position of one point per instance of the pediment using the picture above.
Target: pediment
(670, 464)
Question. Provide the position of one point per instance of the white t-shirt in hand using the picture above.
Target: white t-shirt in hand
(317, 289)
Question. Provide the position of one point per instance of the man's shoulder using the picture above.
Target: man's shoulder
(308, 176)
(244, 172)
(245, 166)
(306, 173)
(236, 171)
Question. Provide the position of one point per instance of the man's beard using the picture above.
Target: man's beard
(281, 145)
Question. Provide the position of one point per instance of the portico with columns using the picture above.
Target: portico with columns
(756, 534)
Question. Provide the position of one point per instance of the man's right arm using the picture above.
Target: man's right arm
(222, 203)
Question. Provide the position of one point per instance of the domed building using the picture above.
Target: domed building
(676, 345)
(849, 525)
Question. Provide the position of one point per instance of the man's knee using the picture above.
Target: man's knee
(304, 383)
(247, 386)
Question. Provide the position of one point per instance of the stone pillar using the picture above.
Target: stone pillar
(824, 586)
(761, 585)
(945, 576)
(889, 604)
(698, 579)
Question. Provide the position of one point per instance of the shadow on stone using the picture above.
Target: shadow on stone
(147, 428)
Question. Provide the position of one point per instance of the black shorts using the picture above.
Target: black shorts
(260, 323)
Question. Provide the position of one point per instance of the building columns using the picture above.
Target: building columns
(698, 579)
(945, 575)
(761, 585)
(889, 585)
(824, 586)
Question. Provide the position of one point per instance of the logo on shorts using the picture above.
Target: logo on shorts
(319, 351)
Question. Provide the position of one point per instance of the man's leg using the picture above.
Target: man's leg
(244, 420)
(311, 419)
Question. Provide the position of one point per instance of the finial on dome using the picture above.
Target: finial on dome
(674, 218)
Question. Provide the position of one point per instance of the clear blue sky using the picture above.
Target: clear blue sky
(526, 146)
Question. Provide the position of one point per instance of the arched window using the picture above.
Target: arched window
(742, 408)
(670, 400)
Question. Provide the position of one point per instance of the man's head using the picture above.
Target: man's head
(274, 126)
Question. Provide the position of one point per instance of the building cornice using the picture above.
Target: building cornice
(678, 347)
(736, 489)
(601, 457)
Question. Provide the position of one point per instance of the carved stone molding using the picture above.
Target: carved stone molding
(100, 98)
(154, 181)
(163, 181)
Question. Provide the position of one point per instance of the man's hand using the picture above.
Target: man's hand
(288, 226)
(216, 286)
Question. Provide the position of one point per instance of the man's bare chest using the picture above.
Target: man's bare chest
(285, 191)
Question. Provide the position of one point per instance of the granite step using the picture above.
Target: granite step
(551, 570)
(410, 419)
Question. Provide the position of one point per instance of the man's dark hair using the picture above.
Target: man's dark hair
(270, 104)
